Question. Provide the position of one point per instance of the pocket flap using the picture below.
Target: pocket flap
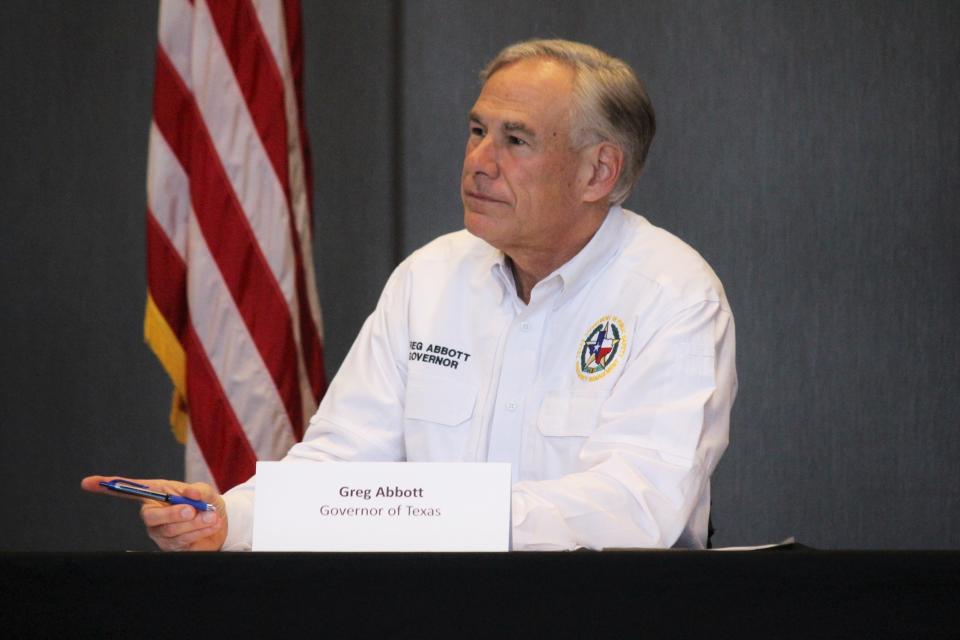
(438, 400)
(566, 413)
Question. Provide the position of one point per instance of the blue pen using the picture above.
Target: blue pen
(134, 489)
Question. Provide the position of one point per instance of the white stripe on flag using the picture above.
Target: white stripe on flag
(168, 191)
(176, 35)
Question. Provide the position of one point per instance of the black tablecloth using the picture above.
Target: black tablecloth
(649, 594)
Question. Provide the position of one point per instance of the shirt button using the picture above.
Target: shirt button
(524, 326)
(511, 406)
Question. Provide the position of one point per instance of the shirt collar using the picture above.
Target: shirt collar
(501, 272)
(598, 252)
(572, 275)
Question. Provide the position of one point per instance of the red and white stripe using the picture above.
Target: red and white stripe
(230, 260)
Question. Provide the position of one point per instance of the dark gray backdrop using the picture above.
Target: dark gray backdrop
(810, 151)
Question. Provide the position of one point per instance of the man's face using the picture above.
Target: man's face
(519, 182)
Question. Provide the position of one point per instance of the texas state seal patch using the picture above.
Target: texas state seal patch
(601, 348)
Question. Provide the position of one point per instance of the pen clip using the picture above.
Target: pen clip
(121, 482)
(130, 487)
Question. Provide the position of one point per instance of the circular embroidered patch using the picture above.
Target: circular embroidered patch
(601, 348)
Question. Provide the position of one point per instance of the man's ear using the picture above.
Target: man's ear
(602, 165)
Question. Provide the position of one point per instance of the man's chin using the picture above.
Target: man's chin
(470, 219)
(477, 223)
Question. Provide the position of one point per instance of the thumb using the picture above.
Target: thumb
(203, 492)
(198, 491)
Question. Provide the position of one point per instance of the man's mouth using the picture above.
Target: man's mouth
(475, 195)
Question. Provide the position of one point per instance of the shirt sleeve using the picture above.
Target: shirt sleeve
(361, 415)
(660, 434)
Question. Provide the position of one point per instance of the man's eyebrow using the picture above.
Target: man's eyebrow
(521, 127)
(508, 126)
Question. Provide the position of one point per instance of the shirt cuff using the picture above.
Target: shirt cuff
(538, 527)
(239, 503)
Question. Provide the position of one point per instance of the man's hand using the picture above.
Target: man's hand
(176, 527)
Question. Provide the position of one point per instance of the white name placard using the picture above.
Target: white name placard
(382, 506)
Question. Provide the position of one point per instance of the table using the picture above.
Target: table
(610, 594)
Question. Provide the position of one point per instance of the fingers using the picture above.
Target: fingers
(197, 540)
(92, 484)
(181, 527)
(199, 491)
(177, 518)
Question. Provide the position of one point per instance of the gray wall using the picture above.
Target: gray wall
(810, 151)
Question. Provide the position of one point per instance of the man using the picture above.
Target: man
(559, 333)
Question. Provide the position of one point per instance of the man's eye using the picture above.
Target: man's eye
(476, 131)
(514, 140)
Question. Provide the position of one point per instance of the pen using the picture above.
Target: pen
(134, 489)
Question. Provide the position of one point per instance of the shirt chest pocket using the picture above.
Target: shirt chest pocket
(437, 415)
(565, 420)
(445, 402)
(569, 413)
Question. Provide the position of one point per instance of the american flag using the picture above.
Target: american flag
(232, 310)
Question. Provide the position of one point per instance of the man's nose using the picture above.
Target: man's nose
(482, 158)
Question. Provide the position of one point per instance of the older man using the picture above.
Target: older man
(559, 333)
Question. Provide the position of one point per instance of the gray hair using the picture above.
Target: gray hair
(610, 102)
